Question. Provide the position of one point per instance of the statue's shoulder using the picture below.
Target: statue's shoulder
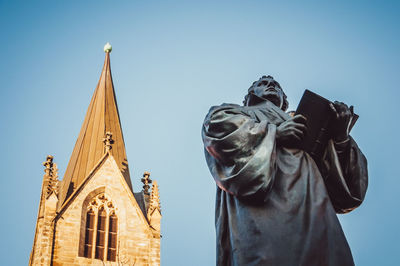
(223, 108)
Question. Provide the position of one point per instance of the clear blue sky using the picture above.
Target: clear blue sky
(171, 61)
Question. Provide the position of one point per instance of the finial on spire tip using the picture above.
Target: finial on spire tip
(107, 48)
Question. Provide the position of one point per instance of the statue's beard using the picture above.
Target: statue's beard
(275, 98)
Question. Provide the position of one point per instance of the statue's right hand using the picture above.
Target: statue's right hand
(291, 132)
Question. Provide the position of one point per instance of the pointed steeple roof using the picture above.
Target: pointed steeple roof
(102, 116)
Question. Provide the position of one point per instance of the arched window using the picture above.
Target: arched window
(89, 230)
(101, 232)
(101, 229)
(112, 237)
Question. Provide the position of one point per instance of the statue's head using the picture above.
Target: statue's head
(266, 88)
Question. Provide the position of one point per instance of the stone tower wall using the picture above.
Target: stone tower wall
(44, 234)
(136, 245)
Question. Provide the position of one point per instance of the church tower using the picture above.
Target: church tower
(92, 216)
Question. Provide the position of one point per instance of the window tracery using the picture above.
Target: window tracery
(101, 229)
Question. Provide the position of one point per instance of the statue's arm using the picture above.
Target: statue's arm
(240, 152)
(346, 175)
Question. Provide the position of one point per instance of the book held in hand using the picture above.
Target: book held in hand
(319, 116)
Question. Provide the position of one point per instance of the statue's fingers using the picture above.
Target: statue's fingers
(343, 110)
(300, 119)
(334, 111)
(347, 112)
(300, 126)
(340, 106)
(352, 109)
(298, 132)
(294, 135)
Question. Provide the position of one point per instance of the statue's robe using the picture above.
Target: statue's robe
(274, 206)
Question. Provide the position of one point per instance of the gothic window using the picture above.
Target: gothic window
(100, 240)
(101, 231)
(89, 233)
(112, 237)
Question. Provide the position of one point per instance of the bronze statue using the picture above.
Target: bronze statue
(274, 204)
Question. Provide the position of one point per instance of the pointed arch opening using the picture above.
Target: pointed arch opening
(101, 233)
(112, 237)
(100, 229)
(89, 232)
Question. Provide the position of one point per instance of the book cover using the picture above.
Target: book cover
(319, 116)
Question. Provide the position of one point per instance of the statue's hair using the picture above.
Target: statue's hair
(255, 84)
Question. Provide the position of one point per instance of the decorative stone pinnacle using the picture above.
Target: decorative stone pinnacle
(155, 197)
(146, 181)
(48, 164)
(108, 141)
(107, 48)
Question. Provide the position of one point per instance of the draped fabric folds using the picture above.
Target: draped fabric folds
(274, 206)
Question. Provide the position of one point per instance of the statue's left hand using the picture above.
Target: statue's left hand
(341, 123)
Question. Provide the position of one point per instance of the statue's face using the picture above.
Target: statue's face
(270, 90)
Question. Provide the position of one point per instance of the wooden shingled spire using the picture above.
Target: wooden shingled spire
(102, 117)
